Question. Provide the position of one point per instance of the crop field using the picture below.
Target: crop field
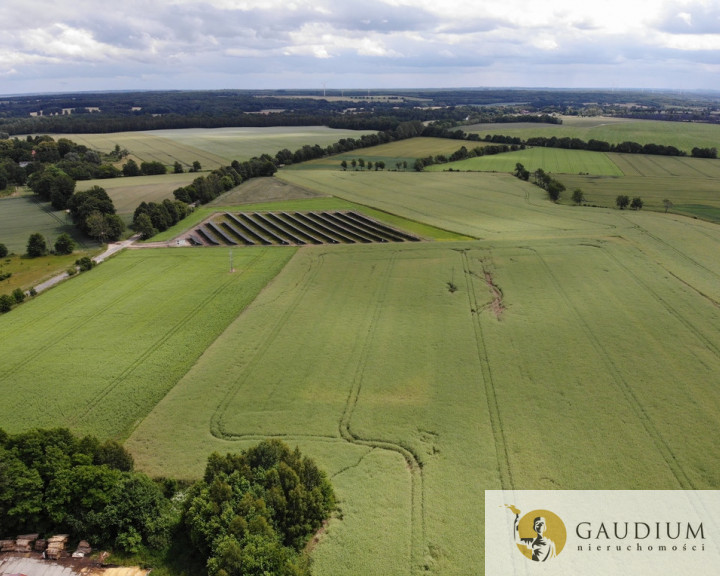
(682, 135)
(555, 160)
(128, 193)
(213, 147)
(118, 338)
(21, 216)
(523, 345)
(391, 153)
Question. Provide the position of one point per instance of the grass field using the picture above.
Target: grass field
(392, 153)
(128, 193)
(118, 338)
(539, 346)
(213, 147)
(555, 160)
(23, 215)
(683, 135)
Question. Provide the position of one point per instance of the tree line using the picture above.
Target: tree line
(251, 514)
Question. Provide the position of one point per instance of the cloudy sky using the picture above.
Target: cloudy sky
(79, 45)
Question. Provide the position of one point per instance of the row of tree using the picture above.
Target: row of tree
(463, 153)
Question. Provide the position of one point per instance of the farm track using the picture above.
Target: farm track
(621, 383)
(117, 381)
(488, 383)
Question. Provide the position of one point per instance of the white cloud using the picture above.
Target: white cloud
(455, 42)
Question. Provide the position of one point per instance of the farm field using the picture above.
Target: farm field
(23, 215)
(116, 339)
(213, 147)
(555, 160)
(538, 345)
(682, 135)
(128, 193)
(390, 153)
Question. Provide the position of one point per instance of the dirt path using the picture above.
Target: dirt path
(113, 248)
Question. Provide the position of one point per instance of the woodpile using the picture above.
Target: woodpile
(56, 546)
(25, 542)
(7, 545)
(82, 550)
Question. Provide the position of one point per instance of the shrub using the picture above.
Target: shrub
(85, 263)
(3, 251)
(18, 295)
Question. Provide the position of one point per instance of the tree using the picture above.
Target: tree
(196, 167)
(343, 164)
(622, 201)
(636, 203)
(143, 225)
(668, 204)
(253, 512)
(3, 251)
(36, 245)
(64, 244)
(177, 168)
(130, 168)
(578, 196)
(6, 303)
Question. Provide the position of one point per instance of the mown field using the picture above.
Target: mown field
(524, 345)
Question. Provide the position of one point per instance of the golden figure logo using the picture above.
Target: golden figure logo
(540, 535)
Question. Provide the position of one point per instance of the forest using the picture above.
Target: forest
(363, 110)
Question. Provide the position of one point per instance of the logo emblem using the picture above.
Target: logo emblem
(540, 535)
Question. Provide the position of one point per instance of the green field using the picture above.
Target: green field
(682, 135)
(555, 160)
(213, 147)
(391, 153)
(21, 216)
(128, 193)
(524, 345)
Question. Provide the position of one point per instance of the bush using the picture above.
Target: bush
(64, 244)
(18, 295)
(85, 263)
(3, 251)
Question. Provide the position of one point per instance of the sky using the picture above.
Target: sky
(332, 45)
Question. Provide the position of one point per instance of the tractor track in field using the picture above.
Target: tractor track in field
(620, 382)
(301, 287)
(413, 462)
(345, 433)
(117, 381)
(488, 383)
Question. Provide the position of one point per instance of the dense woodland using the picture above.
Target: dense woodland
(251, 514)
(368, 110)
